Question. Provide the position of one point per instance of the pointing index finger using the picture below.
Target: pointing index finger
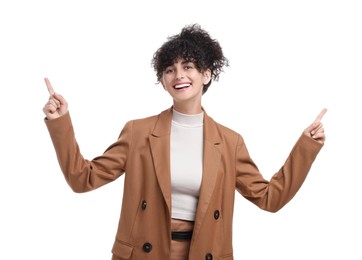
(49, 86)
(321, 114)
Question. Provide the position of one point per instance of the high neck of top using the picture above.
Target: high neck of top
(188, 120)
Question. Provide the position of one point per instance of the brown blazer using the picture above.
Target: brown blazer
(142, 152)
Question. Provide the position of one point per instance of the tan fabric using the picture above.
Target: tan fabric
(180, 248)
(142, 152)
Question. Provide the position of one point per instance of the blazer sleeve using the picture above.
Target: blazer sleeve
(274, 194)
(81, 174)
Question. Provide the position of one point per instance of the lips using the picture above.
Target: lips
(182, 86)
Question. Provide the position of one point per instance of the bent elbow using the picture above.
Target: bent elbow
(78, 186)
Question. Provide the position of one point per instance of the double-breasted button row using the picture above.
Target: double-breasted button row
(208, 256)
(147, 247)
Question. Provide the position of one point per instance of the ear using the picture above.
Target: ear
(206, 76)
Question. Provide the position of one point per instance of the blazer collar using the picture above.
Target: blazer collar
(163, 126)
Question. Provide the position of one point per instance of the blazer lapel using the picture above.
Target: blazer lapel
(211, 162)
(160, 149)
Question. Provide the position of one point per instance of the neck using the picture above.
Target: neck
(188, 109)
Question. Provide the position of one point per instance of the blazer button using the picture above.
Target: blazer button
(144, 205)
(147, 247)
(208, 256)
(216, 214)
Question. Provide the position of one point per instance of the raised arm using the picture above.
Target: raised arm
(274, 194)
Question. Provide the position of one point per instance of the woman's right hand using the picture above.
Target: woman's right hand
(56, 105)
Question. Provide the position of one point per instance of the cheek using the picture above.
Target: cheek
(165, 80)
(163, 83)
(166, 85)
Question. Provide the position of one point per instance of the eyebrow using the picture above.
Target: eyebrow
(187, 61)
(183, 62)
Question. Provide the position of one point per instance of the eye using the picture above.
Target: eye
(168, 71)
(189, 66)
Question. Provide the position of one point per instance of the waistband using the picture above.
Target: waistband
(181, 229)
(181, 235)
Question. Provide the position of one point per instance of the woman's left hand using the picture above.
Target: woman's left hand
(316, 130)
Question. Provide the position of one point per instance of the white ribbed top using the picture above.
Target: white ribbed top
(186, 163)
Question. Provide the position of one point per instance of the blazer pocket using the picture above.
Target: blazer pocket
(122, 250)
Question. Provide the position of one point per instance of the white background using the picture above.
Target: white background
(288, 60)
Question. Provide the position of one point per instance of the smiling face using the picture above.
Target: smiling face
(184, 82)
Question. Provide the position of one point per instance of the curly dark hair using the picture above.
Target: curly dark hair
(192, 44)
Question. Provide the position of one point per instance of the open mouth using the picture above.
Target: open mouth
(182, 86)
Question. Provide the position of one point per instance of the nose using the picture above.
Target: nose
(179, 75)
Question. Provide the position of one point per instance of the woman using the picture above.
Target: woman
(181, 167)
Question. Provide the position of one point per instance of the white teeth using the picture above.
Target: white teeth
(182, 85)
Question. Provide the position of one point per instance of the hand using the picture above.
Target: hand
(316, 130)
(56, 105)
